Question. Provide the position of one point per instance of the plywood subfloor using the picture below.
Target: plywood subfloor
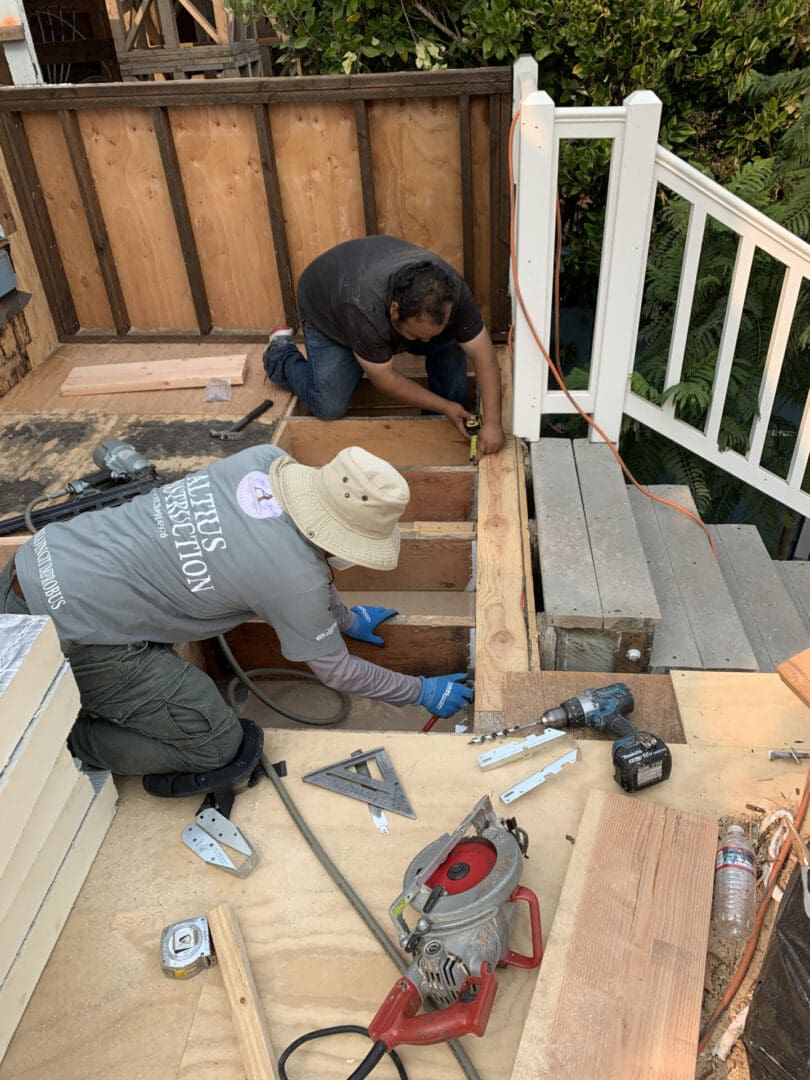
(107, 1010)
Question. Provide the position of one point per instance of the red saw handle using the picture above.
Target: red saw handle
(396, 1022)
(518, 959)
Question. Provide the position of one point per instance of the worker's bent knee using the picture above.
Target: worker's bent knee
(327, 410)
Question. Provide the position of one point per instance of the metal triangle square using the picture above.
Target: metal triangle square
(344, 778)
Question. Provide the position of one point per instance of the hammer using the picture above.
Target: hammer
(235, 432)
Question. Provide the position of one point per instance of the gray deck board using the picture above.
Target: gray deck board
(701, 628)
(625, 586)
(773, 624)
(796, 577)
(570, 591)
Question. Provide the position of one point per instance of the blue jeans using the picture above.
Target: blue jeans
(326, 379)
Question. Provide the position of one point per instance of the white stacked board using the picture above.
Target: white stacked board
(54, 815)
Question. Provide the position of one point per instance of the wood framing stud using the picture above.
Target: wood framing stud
(465, 141)
(267, 155)
(95, 219)
(366, 166)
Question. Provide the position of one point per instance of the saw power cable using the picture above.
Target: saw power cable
(555, 366)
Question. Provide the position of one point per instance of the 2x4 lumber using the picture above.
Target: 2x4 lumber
(12, 32)
(275, 208)
(366, 162)
(625, 588)
(465, 146)
(154, 375)
(772, 623)
(34, 210)
(795, 673)
(182, 217)
(567, 574)
(246, 1009)
(414, 644)
(501, 621)
(401, 442)
(500, 117)
(95, 218)
(620, 987)
(700, 626)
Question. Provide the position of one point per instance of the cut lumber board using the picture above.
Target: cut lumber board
(23, 778)
(570, 591)
(795, 573)
(772, 623)
(30, 657)
(401, 441)
(154, 375)
(620, 987)
(501, 617)
(18, 986)
(751, 711)
(25, 899)
(700, 627)
(795, 673)
(428, 561)
(10, 545)
(625, 588)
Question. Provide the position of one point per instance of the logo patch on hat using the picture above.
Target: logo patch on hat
(255, 496)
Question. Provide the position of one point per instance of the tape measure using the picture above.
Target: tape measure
(185, 948)
(473, 426)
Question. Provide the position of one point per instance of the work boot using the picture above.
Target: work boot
(274, 355)
(221, 783)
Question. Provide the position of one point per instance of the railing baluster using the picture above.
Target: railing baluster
(773, 364)
(801, 451)
(693, 246)
(728, 337)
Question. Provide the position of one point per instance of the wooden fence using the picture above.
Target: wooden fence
(170, 211)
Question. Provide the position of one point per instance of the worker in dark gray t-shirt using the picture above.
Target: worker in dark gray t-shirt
(251, 536)
(366, 300)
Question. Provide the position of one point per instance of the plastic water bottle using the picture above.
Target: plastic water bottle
(735, 884)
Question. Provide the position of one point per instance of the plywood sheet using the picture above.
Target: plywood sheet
(752, 711)
(620, 988)
(128, 174)
(313, 961)
(58, 182)
(154, 375)
(218, 153)
(319, 176)
(420, 199)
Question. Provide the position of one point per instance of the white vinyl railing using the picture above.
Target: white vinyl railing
(638, 166)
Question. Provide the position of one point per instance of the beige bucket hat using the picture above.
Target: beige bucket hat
(349, 507)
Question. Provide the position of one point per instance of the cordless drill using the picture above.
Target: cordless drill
(640, 758)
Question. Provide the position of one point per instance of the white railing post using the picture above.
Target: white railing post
(20, 54)
(536, 185)
(628, 220)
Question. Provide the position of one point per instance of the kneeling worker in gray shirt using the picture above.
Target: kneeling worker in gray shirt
(252, 535)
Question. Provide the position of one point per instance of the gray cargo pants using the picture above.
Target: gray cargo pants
(144, 709)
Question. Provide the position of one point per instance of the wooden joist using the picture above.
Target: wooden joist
(402, 441)
(154, 375)
(620, 987)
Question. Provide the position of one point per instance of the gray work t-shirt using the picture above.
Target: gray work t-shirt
(184, 562)
(346, 294)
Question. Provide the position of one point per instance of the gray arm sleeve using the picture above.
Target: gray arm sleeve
(342, 615)
(342, 671)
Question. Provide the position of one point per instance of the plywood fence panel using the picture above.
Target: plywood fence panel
(480, 141)
(44, 337)
(218, 153)
(319, 175)
(417, 173)
(58, 181)
(128, 174)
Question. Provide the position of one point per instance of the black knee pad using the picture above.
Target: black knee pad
(236, 774)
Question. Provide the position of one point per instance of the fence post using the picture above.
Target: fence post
(628, 220)
(536, 184)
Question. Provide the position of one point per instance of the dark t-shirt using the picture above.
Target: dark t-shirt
(346, 294)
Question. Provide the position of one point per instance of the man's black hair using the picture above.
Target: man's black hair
(422, 288)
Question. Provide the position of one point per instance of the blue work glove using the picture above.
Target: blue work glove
(444, 695)
(366, 621)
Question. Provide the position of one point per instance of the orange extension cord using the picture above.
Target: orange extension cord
(555, 370)
(750, 948)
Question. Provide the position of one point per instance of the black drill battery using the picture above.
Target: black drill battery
(641, 760)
